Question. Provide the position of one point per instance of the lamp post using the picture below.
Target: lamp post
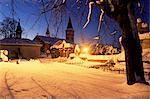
(86, 51)
(114, 37)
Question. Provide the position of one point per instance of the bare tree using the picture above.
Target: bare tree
(55, 9)
(8, 27)
(121, 11)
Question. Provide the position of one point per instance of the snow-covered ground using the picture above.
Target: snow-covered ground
(53, 80)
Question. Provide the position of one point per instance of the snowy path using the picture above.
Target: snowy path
(34, 80)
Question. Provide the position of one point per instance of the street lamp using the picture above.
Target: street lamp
(85, 50)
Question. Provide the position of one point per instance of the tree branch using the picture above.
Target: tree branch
(89, 14)
(54, 6)
(100, 20)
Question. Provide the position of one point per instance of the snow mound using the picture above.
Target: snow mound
(135, 87)
(75, 60)
(30, 61)
(120, 66)
(146, 55)
(84, 63)
(135, 91)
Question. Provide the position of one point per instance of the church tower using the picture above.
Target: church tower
(18, 31)
(70, 32)
(47, 32)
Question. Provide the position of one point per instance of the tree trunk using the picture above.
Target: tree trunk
(132, 47)
(123, 13)
(133, 58)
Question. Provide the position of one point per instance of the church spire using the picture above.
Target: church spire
(19, 31)
(69, 24)
(70, 32)
(47, 32)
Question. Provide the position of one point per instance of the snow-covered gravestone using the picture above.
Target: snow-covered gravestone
(77, 50)
(3, 55)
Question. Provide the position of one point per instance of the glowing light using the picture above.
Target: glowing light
(85, 50)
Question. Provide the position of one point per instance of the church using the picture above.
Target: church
(19, 47)
(57, 45)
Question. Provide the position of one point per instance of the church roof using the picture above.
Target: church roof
(15, 41)
(45, 39)
(69, 24)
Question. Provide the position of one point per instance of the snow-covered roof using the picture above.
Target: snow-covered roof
(46, 39)
(141, 36)
(144, 36)
(15, 41)
(62, 44)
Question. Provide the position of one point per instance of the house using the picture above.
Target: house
(145, 40)
(46, 42)
(19, 47)
(145, 44)
(64, 48)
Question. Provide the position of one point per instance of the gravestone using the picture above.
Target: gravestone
(4, 55)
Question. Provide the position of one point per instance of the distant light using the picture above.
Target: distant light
(144, 25)
(139, 20)
(85, 50)
(96, 38)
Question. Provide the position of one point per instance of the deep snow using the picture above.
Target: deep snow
(53, 80)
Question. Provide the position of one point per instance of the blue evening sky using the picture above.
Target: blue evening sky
(28, 11)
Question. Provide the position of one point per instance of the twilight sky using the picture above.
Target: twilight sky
(28, 11)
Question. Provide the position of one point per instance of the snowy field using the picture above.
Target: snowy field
(53, 80)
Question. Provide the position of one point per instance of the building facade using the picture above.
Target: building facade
(46, 42)
(20, 48)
